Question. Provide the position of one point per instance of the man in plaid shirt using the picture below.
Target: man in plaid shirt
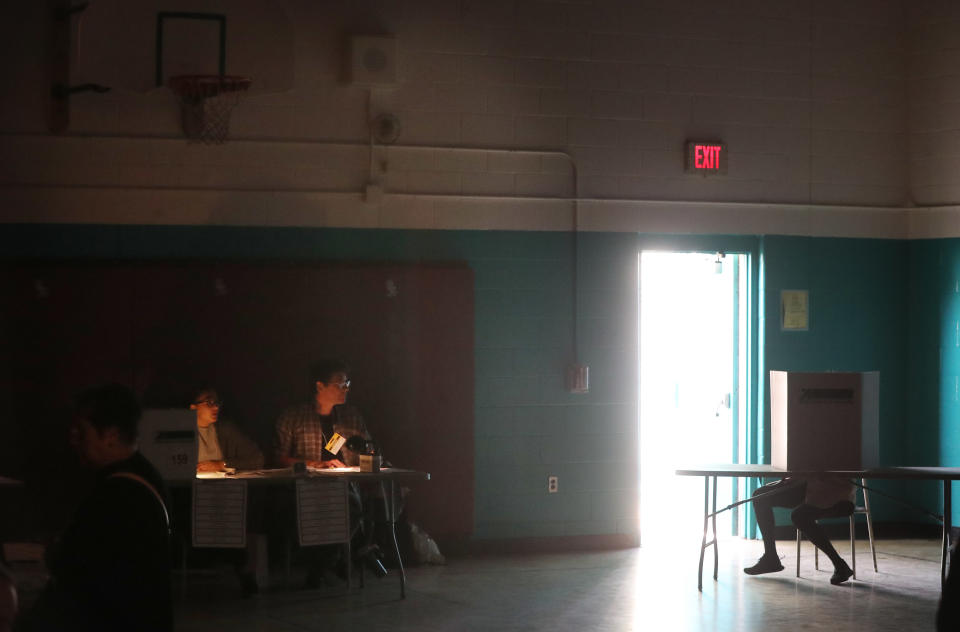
(303, 431)
(302, 434)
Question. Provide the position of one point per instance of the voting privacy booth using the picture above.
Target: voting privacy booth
(825, 420)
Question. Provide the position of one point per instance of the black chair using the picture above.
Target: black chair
(857, 509)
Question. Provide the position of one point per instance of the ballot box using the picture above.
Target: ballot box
(168, 438)
(825, 420)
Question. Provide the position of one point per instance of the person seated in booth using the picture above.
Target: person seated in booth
(302, 436)
(811, 498)
(220, 443)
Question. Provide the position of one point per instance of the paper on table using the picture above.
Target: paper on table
(226, 472)
(333, 469)
(219, 513)
(322, 513)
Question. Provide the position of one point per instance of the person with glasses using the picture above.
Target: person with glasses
(303, 432)
(220, 443)
(303, 435)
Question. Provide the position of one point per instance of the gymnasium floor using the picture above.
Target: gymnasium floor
(634, 589)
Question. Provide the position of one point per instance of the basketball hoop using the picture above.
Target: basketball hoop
(206, 102)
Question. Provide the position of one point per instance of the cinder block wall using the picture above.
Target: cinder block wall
(808, 95)
(811, 97)
(934, 118)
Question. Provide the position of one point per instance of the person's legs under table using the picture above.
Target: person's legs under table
(805, 518)
(782, 493)
(363, 517)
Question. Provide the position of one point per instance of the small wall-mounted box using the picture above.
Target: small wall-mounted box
(373, 61)
(825, 421)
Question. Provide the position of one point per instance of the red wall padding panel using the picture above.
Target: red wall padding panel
(252, 330)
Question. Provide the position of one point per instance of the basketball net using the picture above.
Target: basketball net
(206, 102)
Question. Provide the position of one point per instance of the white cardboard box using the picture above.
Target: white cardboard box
(825, 421)
(168, 438)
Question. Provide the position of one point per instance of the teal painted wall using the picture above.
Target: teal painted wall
(860, 318)
(932, 431)
(526, 425)
(875, 304)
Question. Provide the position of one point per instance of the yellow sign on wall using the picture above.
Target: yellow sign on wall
(794, 310)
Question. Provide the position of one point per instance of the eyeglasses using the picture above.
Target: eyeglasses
(341, 385)
(211, 402)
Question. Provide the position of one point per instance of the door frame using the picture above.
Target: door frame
(753, 395)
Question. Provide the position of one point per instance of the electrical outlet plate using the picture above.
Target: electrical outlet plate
(552, 484)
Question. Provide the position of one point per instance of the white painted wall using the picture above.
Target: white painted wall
(809, 95)
(934, 115)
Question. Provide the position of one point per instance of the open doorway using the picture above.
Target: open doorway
(693, 338)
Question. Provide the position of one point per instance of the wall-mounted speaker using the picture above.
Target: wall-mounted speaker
(373, 60)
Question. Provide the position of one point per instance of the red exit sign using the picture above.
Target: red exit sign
(706, 157)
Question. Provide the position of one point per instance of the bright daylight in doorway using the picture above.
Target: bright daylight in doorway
(690, 350)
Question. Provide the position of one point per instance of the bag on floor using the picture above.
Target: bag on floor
(424, 547)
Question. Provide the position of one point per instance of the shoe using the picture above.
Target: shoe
(340, 570)
(841, 574)
(764, 565)
(371, 557)
(314, 579)
(248, 585)
(323, 578)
